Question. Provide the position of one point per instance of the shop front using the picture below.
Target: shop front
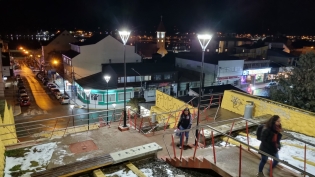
(255, 76)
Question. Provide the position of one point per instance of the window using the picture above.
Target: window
(131, 79)
(158, 40)
(147, 78)
(158, 77)
(122, 80)
(139, 78)
(225, 50)
(70, 62)
(161, 40)
(111, 97)
(167, 76)
(216, 50)
(110, 60)
(100, 98)
(207, 50)
(121, 96)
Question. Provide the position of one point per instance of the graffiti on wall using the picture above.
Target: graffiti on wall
(236, 102)
(169, 103)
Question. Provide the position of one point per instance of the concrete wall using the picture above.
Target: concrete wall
(91, 57)
(166, 103)
(6, 117)
(293, 119)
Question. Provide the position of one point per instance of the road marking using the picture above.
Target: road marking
(33, 112)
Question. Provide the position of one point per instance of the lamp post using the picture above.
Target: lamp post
(204, 40)
(124, 37)
(72, 106)
(140, 78)
(107, 78)
(114, 105)
(87, 94)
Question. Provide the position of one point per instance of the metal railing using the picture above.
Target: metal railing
(222, 133)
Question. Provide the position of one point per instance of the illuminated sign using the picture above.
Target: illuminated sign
(256, 71)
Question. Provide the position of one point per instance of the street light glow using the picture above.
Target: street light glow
(107, 78)
(204, 40)
(21, 48)
(55, 62)
(87, 91)
(124, 35)
(204, 36)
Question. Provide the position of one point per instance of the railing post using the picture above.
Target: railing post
(66, 127)
(247, 136)
(270, 168)
(196, 145)
(182, 145)
(53, 129)
(141, 124)
(136, 121)
(204, 138)
(240, 162)
(213, 148)
(304, 158)
(230, 133)
(167, 121)
(173, 143)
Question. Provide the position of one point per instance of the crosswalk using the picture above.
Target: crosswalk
(34, 112)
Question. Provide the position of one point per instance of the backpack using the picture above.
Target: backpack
(259, 131)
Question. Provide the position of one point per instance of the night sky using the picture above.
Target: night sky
(241, 16)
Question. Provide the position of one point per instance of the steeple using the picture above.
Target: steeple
(160, 37)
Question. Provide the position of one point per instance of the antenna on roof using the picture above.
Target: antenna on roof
(161, 17)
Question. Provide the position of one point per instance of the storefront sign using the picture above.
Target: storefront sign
(256, 71)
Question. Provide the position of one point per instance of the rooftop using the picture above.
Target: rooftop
(92, 40)
(212, 58)
(279, 53)
(70, 53)
(142, 68)
(252, 46)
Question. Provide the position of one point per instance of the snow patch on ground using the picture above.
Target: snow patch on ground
(39, 153)
(289, 152)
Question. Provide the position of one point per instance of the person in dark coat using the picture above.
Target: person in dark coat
(270, 142)
(184, 123)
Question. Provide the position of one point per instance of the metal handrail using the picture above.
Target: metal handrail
(284, 133)
(252, 147)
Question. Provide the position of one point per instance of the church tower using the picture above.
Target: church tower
(160, 37)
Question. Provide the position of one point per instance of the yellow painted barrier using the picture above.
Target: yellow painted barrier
(135, 170)
(7, 132)
(293, 119)
(98, 173)
(249, 135)
(298, 146)
(166, 103)
(302, 160)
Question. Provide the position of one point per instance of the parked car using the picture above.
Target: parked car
(25, 102)
(23, 97)
(64, 100)
(55, 91)
(271, 84)
(21, 91)
(58, 95)
(23, 94)
(53, 88)
(22, 88)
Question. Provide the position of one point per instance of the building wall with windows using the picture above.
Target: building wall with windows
(99, 97)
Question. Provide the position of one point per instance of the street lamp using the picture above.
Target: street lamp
(124, 35)
(114, 105)
(72, 106)
(87, 94)
(107, 78)
(140, 78)
(204, 40)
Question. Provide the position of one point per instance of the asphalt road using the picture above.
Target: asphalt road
(44, 110)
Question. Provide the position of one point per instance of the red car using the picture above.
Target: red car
(25, 101)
